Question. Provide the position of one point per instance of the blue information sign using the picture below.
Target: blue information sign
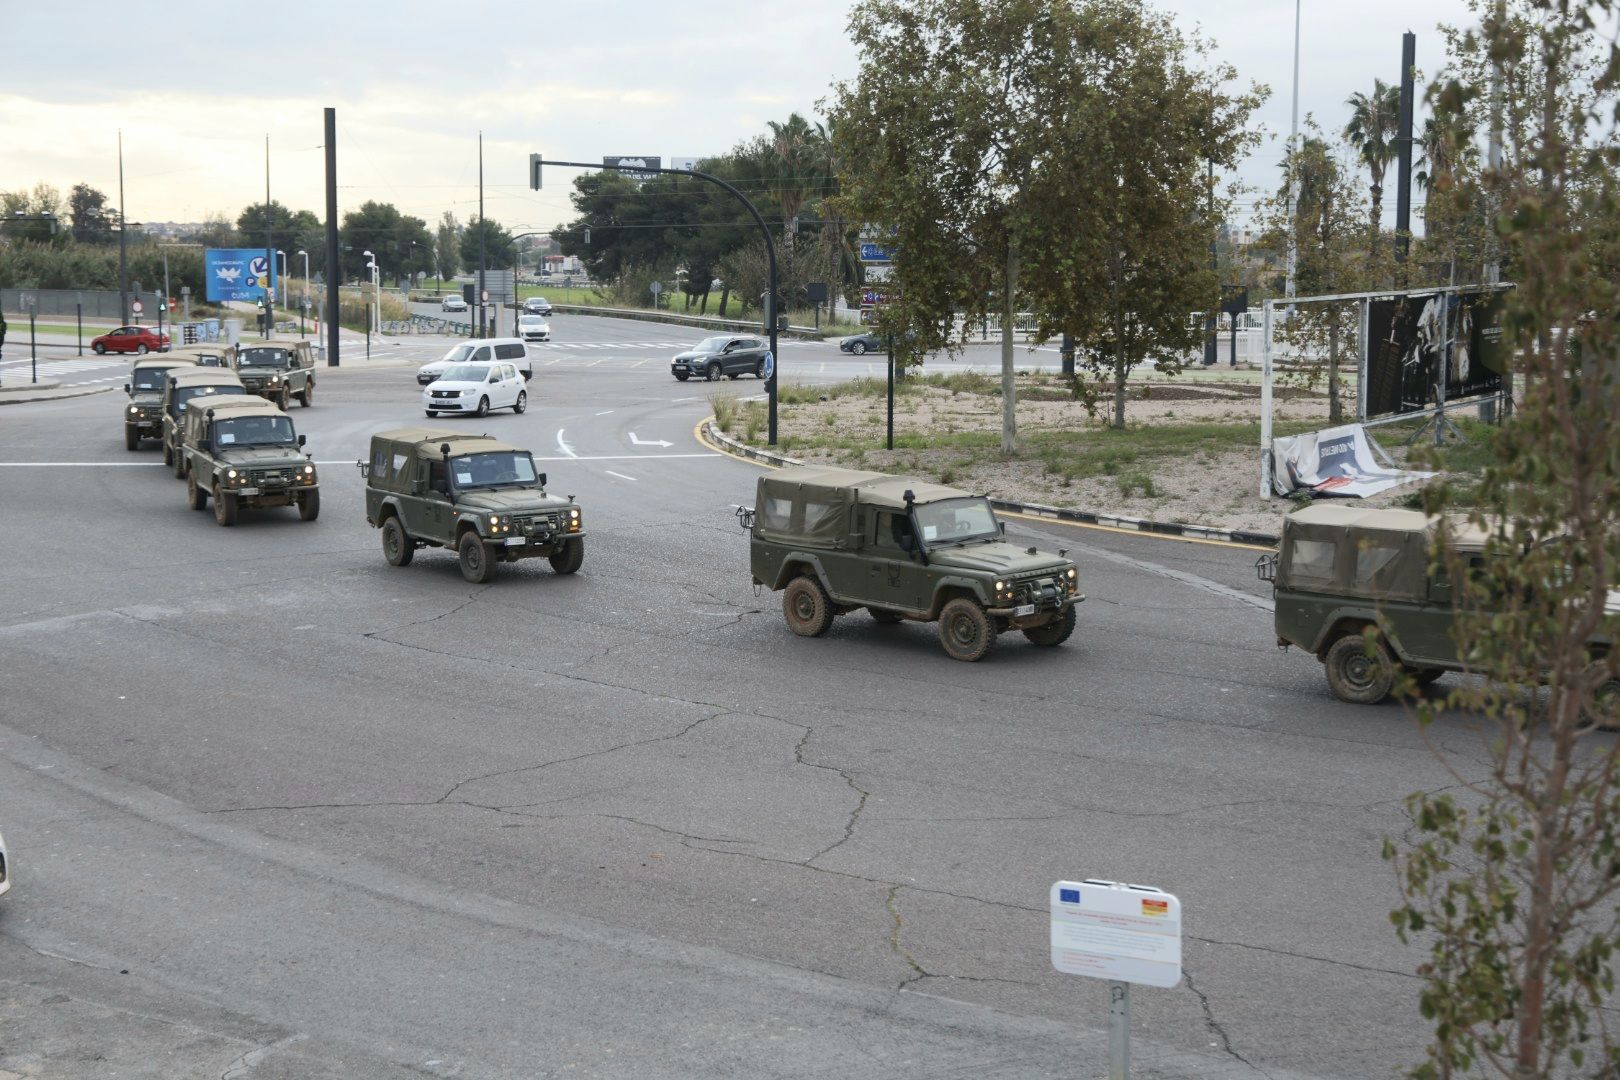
(875, 253)
(237, 273)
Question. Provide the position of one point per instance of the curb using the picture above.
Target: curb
(707, 432)
(52, 395)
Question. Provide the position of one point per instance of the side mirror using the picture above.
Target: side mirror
(542, 479)
(1003, 526)
(126, 388)
(300, 440)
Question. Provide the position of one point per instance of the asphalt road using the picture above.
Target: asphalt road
(278, 809)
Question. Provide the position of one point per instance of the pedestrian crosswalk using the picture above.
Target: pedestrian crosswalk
(66, 372)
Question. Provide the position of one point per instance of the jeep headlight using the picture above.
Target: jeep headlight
(134, 410)
(1000, 586)
(230, 474)
(573, 520)
(275, 379)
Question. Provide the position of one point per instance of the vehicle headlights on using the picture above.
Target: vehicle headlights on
(134, 410)
(307, 474)
(1072, 576)
(274, 379)
(496, 525)
(573, 519)
(1004, 590)
(233, 477)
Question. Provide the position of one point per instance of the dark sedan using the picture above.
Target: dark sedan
(861, 344)
(724, 355)
(537, 305)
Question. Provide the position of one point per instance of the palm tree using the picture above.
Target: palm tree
(1374, 122)
(799, 159)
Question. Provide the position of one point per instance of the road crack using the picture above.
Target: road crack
(1215, 1025)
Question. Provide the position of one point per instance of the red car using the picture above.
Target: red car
(136, 339)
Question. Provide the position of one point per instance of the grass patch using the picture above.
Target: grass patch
(725, 411)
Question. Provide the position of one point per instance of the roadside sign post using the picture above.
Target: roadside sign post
(78, 318)
(656, 287)
(1122, 933)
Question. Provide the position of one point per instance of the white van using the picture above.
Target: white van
(481, 351)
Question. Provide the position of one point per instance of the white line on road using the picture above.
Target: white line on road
(563, 446)
(346, 461)
(636, 440)
(620, 475)
(79, 464)
(628, 457)
(605, 412)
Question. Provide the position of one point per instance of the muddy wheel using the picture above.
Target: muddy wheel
(1054, 632)
(806, 607)
(132, 437)
(283, 398)
(224, 507)
(570, 558)
(309, 505)
(168, 455)
(965, 631)
(883, 618)
(1355, 676)
(476, 565)
(397, 546)
(307, 398)
(179, 462)
(196, 497)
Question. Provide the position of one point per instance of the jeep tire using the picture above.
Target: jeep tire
(309, 505)
(307, 397)
(132, 437)
(398, 548)
(168, 455)
(1356, 677)
(476, 564)
(283, 398)
(806, 607)
(225, 507)
(179, 465)
(1054, 631)
(196, 497)
(569, 556)
(965, 630)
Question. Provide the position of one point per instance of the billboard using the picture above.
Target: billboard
(687, 163)
(1419, 339)
(237, 273)
(630, 164)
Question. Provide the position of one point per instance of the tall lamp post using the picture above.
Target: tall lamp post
(371, 272)
(305, 304)
(281, 272)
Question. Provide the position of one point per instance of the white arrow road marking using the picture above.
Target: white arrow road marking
(620, 475)
(563, 446)
(637, 440)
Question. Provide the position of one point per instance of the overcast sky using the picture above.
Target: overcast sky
(195, 91)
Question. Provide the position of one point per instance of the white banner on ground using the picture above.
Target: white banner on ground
(1337, 461)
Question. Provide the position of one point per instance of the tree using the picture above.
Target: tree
(216, 232)
(999, 151)
(372, 228)
(92, 222)
(38, 207)
(498, 251)
(259, 227)
(1374, 123)
(413, 247)
(447, 248)
(1511, 881)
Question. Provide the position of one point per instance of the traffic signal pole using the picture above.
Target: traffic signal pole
(535, 162)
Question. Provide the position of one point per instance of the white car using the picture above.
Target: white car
(5, 868)
(533, 328)
(478, 351)
(475, 389)
(453, 303)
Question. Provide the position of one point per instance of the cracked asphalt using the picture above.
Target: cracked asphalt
(280, 809)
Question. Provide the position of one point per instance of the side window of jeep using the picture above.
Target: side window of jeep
(1311, 562)
(439, 477)
(379, 464)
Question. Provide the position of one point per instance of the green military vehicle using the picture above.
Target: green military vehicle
(143, 417)
(277, 370)
(241, 451)
(477, 496)
(182, 386)
(1342, 569)
(833, 540)
(217, 354)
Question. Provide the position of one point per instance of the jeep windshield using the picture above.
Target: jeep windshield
(265, 358)
(244, 431)
(149, 379)
(951, 521)
(499, 468)
(186, 393)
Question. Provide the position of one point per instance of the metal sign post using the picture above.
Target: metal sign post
(1122, 933)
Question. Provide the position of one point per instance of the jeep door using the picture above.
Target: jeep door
(432, 505)
(894, 577)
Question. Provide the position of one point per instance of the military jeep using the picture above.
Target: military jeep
(477, 496)
(183, 386)
(1343, 570)
(277, 370)
(242, 451)
(834, 540)
(217, 354)
(143, 417)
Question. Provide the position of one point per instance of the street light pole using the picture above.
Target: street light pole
(372, 268)
(123, 240)
(281, 280)
(1293, 169)
(305, 304)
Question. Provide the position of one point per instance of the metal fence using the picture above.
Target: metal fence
(56, 303)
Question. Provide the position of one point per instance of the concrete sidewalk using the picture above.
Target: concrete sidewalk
(25, 392)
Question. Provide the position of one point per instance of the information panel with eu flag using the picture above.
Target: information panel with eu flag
(237, 273)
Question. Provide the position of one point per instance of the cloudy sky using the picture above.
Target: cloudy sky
(195, 91)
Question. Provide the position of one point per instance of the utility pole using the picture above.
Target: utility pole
(1493, 266)
(1403, 143)
(483, 234)
(123, 239)
(1293, 170)
(332, 271)
(269, 249)
(1210, 339)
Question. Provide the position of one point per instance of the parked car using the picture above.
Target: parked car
(861, 344)
(453, 303)
(476, 389)
(533, 328)
(480, 351)
(139, 340)
(722, 355)
(537, 305)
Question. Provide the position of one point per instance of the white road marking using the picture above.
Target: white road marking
(563, 446)
(638, 363)
(593, 363)
(620, 475)
(636, 440)
(605, 412)
(157, 464)
(628, 457)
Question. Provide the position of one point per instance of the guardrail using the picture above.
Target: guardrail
(711, 322)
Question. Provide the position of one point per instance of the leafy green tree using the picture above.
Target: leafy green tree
(1038, 153)
(92, 221)
(1510, 883)
(216, 232)
(255, 219)
(447, 247)
(1374, 123)
(37, 207)
(413, 248)
(372, 228)
(498, 249)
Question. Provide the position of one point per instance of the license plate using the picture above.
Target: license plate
(515, 541)
(247, 491)
(1024, 609)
